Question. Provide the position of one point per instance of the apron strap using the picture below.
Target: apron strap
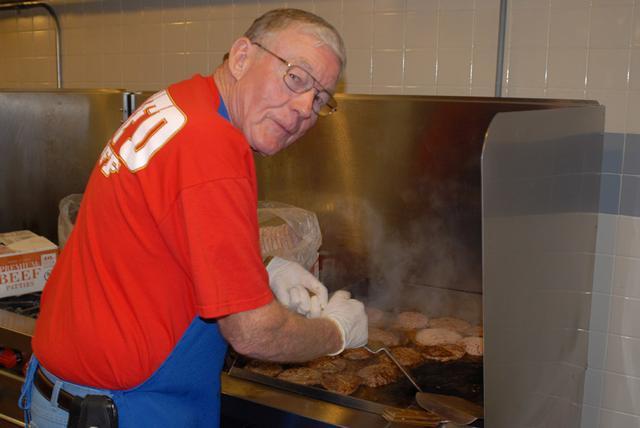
(24, 402)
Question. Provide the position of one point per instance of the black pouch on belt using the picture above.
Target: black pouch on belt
(93, 411)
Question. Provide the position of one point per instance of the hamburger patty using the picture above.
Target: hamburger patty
(437, 336)
(379, 337)
(474, 330)
(302, 376)
(472, 346)
(379, 374)
(443, 353)
(455, 324)
(376, 317)
(410, 321)
(264, 368)
(342, 383)
(355, 354)
(328, 364)
(408, 357)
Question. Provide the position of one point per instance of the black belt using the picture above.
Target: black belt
(45, 386)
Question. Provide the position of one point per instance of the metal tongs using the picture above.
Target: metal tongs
(396, 362)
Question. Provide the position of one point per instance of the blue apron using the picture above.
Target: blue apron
(183, 392)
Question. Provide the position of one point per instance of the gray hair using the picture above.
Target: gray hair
(280, 19)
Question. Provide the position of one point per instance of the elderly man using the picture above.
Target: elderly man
(163, 268)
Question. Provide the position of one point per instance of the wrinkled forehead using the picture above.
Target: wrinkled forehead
(290, 32)
(301, 46)
(306, 34)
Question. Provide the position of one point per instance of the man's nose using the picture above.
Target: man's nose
(303, 103)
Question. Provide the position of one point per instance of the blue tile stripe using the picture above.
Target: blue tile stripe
(632, 155)
(612, 153)
(620, 180)
(630, 196)
(609, 193)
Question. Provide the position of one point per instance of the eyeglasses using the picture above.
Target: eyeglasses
(300, 81)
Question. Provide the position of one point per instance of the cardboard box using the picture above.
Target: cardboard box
(26, 261)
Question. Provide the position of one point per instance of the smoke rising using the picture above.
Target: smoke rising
(426, 261)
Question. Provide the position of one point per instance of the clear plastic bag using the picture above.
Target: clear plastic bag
(285, 231)
(68, 207)
(289, 232)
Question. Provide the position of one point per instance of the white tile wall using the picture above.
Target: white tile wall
(626, 277)
(621, 393)
(388, 30)
(632, 123)
(611, 26)
(554, 48)
(528, 27)
(575, 35)
(612, 390)
(628, 237)
(567, 67)
(609, 419)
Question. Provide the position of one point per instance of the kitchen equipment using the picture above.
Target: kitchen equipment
(453, 409)
(413, 417)
(396, 362)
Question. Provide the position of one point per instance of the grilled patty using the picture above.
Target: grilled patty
(379, 337)
(356, 354)
(264, 368)
(302, 376)
(376, 317)
(472, 346)
(328, 364)
(342, 383)
(455, 324)
(379, 374)
(410, 321)
(475, 330)
(407, 357)
(437, 336)
(443, 353)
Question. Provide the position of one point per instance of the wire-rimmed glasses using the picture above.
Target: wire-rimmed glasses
(300, 81)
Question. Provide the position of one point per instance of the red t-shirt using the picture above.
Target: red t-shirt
(167, 231)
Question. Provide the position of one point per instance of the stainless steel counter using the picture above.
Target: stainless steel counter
(252, 404)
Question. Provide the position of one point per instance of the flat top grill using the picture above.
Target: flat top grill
(461, 378)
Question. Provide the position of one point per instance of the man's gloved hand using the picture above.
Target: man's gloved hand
(291, 284)
(350, 317)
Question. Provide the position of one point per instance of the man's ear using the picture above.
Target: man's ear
(239, 57)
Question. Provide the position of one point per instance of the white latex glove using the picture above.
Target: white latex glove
(291, 284)
(350, 317)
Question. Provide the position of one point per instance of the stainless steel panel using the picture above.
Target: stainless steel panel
(540, 183)
(314, 393)
(395, 181)
(258, 405)
(49, 142)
